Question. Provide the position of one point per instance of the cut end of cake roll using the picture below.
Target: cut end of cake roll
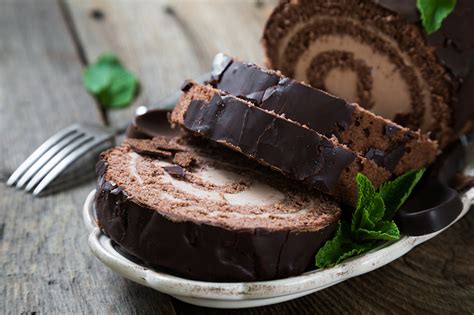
(273, 140)
(218, 218)
(396, 148)
(377, 54)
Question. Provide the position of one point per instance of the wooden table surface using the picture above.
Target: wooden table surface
(46, 266)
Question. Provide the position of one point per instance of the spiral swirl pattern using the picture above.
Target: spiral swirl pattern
(363, 53)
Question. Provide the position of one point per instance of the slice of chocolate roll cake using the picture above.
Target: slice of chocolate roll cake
(390, 145)
(211, 216)
(288, 147)
(377, 53)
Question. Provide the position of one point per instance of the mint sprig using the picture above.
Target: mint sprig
(341, 247)
(112, 85)
(371, 221)
(433, 12)
(396, 192)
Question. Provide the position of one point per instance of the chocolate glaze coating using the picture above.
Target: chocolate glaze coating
(297, 152)
(320, 111)
(203, 251)
(454, 46)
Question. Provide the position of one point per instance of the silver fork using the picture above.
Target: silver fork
(65, 147)
(57, 153)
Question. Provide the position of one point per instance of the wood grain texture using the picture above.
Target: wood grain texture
(166, 42)
(45, 263)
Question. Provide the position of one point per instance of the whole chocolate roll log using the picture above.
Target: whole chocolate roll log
(296, 151)
(390, 145)
(377, 53)
(219, 219)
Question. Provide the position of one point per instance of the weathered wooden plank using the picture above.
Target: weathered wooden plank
(45, 262)
(166, 42)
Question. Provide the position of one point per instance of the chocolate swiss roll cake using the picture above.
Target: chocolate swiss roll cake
(377, 53)
(207, 213)
(296, 151)
(390, 145)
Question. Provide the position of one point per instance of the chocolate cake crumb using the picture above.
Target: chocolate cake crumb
(390, 130)
(175, 171)
(186, 85)
(184, 159)
(168, 144)
(158, 146)
(147, 147)
(376, 155)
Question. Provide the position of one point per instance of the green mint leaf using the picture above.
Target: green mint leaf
(396, 192)
(373, 212)
(371, 221)
(341, 247)
(120, 92)
(111, 84)
(388, 228)
(96, 79)
(109, 59)
(433, 12)
(330, 253)
(371, 216)
(355, 250)
(365, 195)
(370, 208)
(383, 230)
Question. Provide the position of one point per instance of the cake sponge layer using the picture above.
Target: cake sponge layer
(295, 150)
(217, 218)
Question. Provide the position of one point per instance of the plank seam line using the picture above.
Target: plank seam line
(66, 14)
(188, 34)
(71, 27)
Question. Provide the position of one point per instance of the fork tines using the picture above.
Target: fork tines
(55, 155)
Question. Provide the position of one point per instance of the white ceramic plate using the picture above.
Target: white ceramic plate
(249, 294)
